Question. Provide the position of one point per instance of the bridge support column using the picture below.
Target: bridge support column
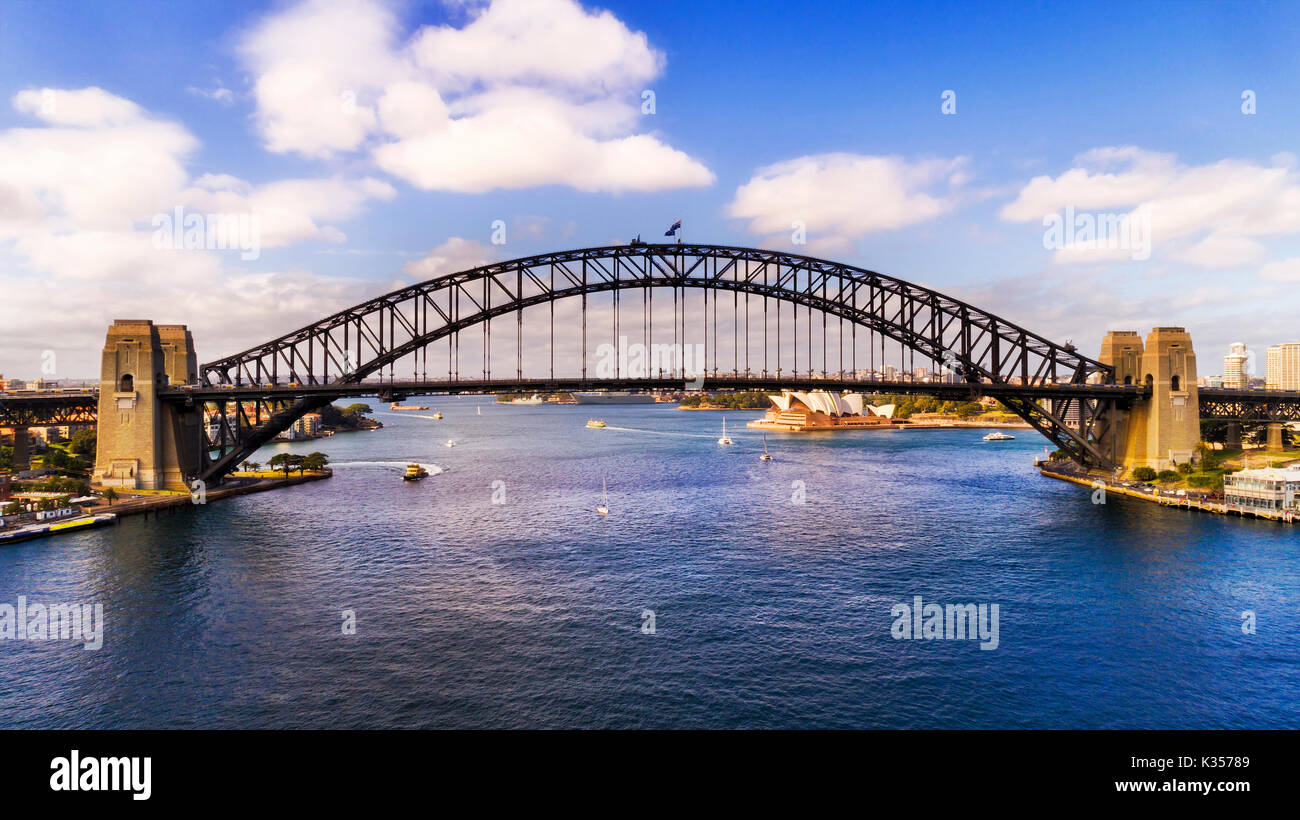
(22, 449)
(1232, 440)
(1275, 435)
(1163, 429)
(143, 443)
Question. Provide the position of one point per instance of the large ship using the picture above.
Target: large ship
(614, 397)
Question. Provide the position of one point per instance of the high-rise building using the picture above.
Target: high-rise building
(1282, 367)
(1235, 373)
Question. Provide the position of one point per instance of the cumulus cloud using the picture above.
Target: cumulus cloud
(454, 255)
(527, 93)
(842, 197)
(81, 107)
(291, 210)
(1212, 216)
(79, 196)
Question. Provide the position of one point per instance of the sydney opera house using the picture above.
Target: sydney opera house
(795, 411)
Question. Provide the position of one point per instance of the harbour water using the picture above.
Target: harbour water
(771, 586)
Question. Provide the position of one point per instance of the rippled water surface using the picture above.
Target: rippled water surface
(768, 613)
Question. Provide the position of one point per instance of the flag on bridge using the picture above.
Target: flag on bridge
(677, 226)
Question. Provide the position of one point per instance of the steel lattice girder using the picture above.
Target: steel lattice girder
(335, 356)
(49, 410)
(981, 344)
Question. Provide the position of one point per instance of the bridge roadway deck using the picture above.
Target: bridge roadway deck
(403, 389)
(30, 408)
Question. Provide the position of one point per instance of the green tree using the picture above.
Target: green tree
(357, 410)
(56, 458)
(315, 461)
(1144, 474)
(83, 441)
(13, 508)
(331, 416)
(110, 495)
(281, 461)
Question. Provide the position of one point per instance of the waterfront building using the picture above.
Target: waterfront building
(1282, 367)
(1263, 488)
(796, 411)
(308, 426)
(1235, 374)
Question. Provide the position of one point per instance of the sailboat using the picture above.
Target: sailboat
(480, 409)
(766, 455)
(725, 438)
(603, 509)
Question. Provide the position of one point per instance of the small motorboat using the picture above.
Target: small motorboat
(414, 472)
(766, 455)
(451, 443)
(725, 438)
(998, 435)
(595, 423)
(603, 508)
(437, 415)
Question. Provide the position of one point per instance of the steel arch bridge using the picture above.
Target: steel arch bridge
(1063, 394)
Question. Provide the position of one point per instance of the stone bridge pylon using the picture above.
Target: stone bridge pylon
(144, 443)
(1162, 429)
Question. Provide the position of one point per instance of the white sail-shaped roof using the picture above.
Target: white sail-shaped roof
(804, 399)
(821, 401)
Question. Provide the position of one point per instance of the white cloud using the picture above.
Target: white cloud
(220, 93)
(317, 65)
(79, 107)
(843, 197)
(78, 197)
(1212, 216)
(290, 210)
(454, 255)
(1283, 270)
(543, 42)
(527, 93)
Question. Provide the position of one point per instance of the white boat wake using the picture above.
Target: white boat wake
(656, 432)
(433, 469)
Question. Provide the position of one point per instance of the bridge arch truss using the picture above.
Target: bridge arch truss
(354, 346)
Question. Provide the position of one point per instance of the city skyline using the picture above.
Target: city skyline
(946, 172)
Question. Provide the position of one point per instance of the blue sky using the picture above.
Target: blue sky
(765, 114)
